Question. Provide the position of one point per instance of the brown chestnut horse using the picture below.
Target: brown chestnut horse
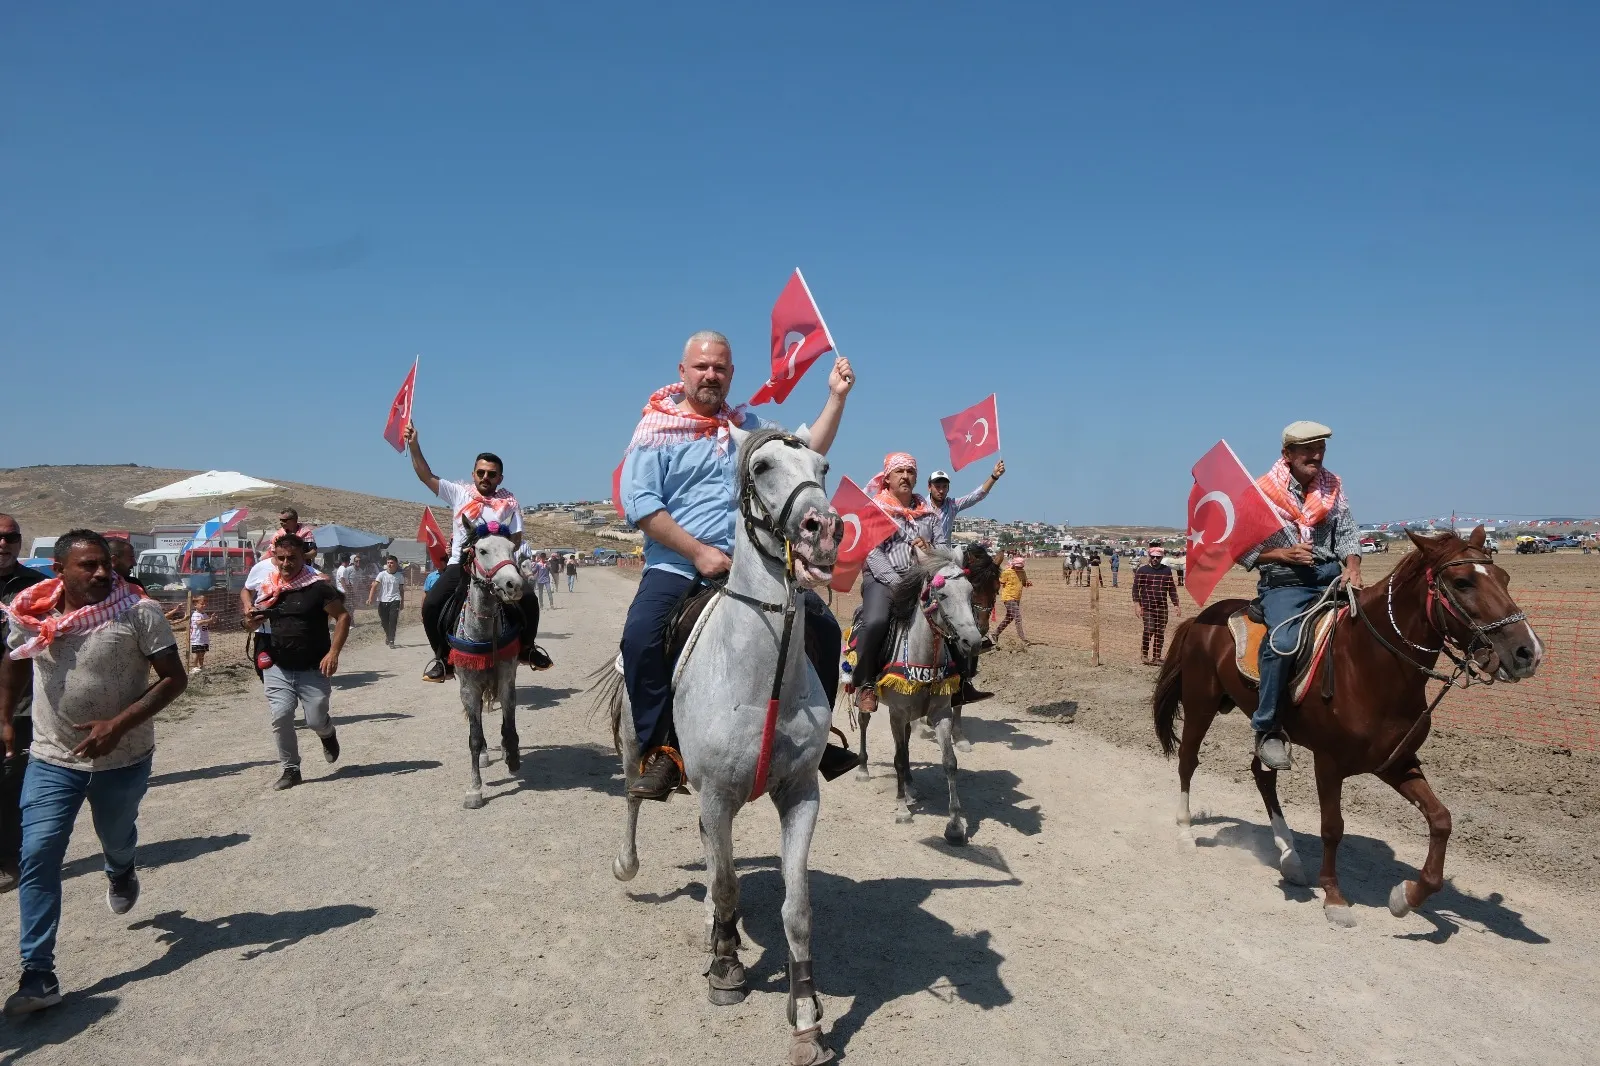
(1446, 598)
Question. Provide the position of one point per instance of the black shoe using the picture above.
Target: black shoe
(123, 892)
(37, 990)
(9, 876)
(537, 657)
(437, 671)
(330, 746)
(968, 694)
(290, 778)
(987, 645)
(661, 776)
(837, 761)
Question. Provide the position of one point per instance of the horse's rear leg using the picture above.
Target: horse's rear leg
(1200, 703)
(904, 797)
(626, 864)
(724, 973)
(1330, 792)
(1410, 783)
(510, 742)
(1288, 858)
(955, 830)
(797, 812)
(862, 718)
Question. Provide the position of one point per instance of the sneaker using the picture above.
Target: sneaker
(290, 778)
(330, 746)
(37, 990)
(1272, 751)
(123, 892)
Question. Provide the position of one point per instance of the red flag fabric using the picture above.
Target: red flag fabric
(795, 313)
(433, 538)
(616, 491)
(1228, 515)
(865, 527)
(973, 433)
(400, 412)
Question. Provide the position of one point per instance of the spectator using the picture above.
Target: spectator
(91, 640)
(945, 509)
(288, 522)
(1116, 563)
(1153, 587)
(431, 580)
(389, 589)
(14, 577)
(1013, 579)
(199, 633)
(572, 572)
(543, 585)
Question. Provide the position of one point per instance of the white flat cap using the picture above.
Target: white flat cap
(1305, 433)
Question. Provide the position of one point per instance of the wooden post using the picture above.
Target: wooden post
(1094, 620)
(188, 609)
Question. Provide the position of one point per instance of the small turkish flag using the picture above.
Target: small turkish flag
(1241, 519)
(616, 490)
(794, 315)
(400, 412)
(433, 539)
(973, 433)
(865, 526)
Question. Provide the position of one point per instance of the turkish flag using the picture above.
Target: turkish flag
(1228, 515)
(433, 539)
(400, 412)
(795, 315)
(616, 490)
(973, 433)
(865, 527)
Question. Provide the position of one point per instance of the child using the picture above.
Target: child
(1013, 579)
(200, 633)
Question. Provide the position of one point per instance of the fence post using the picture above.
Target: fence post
(1094, 619)
(188, 605)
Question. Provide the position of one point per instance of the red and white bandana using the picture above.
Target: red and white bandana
(32, 607)
(1321, 498)
(664, 424)
(884, 498)
(275, 586)
(501, 506)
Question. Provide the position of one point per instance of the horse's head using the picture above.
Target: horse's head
(782, 503)
(492, 559)
(984, 573)
(1469, 601)
(947, 597)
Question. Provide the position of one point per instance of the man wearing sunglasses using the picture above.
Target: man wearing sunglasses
(483, 499)
(14, 577)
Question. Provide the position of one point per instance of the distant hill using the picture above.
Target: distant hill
(49, 500)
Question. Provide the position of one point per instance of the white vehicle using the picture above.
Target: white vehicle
(43, 548)
(159, 568)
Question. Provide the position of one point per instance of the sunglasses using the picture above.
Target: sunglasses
(12, 538)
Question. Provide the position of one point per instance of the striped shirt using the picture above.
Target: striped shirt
(944, 518)
(894, 556)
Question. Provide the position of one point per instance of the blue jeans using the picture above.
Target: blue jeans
(51, 797)
(1284, 598)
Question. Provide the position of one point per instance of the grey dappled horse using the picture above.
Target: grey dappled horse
(786, 536)
(493, 581)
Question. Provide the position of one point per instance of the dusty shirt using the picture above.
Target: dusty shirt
(79, 680)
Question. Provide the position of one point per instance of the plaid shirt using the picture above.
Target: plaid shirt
(1334, 539)
(894, 556)
(944, 518)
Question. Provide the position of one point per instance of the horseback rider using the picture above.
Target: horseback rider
(914, 519)
(483, 500)
(944, 519)
(678, 486)
(1318, 545)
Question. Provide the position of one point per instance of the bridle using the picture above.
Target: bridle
(754, 510)
(480, 577)
(933, 607)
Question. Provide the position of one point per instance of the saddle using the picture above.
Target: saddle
(1249, 630)
(899, 674)
(480, 654)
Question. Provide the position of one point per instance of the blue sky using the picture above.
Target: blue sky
(225, 230)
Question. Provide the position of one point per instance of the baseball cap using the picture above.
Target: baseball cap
(938, 475)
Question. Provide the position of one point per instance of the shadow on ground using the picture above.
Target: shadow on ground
(1000, 731)
(207, 773)
(558, 767)
(537, 698)
(895, 947)
(1368, 870)
(358, 678)
(159, 853)
(376, 769)
(377, 716)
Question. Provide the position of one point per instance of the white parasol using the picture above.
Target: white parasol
(212, 485)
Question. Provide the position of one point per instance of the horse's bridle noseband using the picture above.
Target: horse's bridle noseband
(1442, 598)
(932, 606)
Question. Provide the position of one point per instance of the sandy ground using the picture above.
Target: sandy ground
(366, 917)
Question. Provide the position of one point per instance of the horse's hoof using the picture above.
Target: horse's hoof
(725, 981)
(963, 744)
(473, 801)
(1340, 915)
(513, 760)
(863, 774)
(806, 1048)
(1291, 869)
(955, 833)
(902, 817)
(1399, 906)
(483, 760)
(727, 997)
(624, 871)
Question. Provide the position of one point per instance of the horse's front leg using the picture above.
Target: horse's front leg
(797, 812)
(626, 864)
(903, 795)
(862, 773)
(1410, 782)
(724, 973)
(510, 742)
(955, 830)
(1330, 792)
(472, 686)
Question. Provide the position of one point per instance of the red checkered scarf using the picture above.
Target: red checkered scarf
(920, 508)
(664, 423)
(32, 607)
(275, 586)
(1321, 498)
(502, 503)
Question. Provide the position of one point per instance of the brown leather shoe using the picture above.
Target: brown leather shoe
(660, 775)
(866, 699)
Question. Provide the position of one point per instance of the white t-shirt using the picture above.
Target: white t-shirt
(390, 586)
(458, 495)
(257, 577)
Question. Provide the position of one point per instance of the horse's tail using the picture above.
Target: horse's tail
(1169, 687)
(607, 690)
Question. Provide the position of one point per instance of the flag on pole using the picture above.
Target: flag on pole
(616, 490)
(433, 539)
(1218, 535)
(973, 433)
(865, 526)
(400, 411)
(796, 316)
(212, 528)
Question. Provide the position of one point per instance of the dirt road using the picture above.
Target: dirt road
(365, 917)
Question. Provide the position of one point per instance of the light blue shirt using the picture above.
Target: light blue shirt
(695, 486)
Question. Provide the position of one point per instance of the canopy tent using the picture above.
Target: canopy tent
(212, 485)
(332, 538)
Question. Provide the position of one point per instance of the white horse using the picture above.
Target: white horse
(932, 608)
(485, 668)
(787, 536)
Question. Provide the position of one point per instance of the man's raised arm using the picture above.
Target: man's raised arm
(840, 381)
(424, 472)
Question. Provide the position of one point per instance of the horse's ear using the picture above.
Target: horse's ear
(1423, 542)
(739, 436)
(1476, 539)
(803, 434)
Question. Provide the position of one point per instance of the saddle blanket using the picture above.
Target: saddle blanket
(900, 675)
(1248, 635)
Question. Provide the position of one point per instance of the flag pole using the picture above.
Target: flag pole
(818, 309)
(997, 445)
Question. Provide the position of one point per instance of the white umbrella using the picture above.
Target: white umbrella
(212, 485)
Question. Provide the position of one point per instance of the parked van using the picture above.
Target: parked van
(203, 569)
(158, 570)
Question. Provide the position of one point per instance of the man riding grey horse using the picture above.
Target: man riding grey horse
(945, 509)
(1296, 565)
(678, 488)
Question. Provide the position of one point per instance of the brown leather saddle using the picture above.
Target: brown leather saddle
(1249, 630)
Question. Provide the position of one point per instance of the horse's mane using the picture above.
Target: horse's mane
(906, 592)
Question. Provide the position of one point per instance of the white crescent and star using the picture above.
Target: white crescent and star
(853, 523)
(1223, 500)
(984, 422)
(794, 350)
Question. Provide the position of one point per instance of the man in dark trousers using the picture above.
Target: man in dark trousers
(1153, 588)
(14, 577)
